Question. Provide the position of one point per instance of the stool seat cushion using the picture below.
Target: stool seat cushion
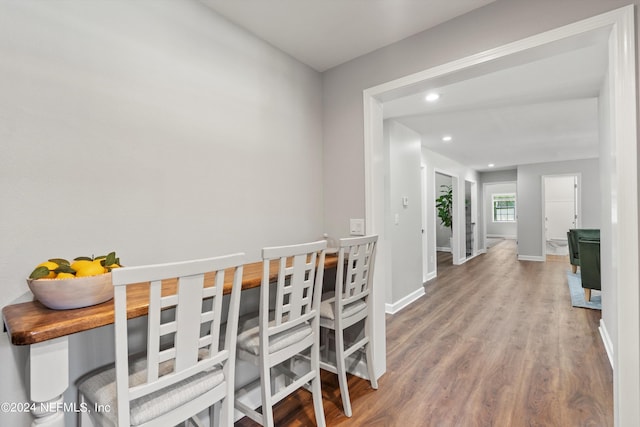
(328, 307)
(249, 335)
(100, 389)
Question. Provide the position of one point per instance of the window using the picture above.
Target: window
(504, 207)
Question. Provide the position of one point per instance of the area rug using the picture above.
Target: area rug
(577, 293)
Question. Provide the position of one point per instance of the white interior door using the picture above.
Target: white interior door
(560, 206)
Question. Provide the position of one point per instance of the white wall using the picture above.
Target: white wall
(154, 128)
(507, 230)
(405, 222)
(530, 202)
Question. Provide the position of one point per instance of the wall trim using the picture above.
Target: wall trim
(531, 258)
(625, 233)
(430, 276)
(606, 340)
(403, 302)
(502, 236)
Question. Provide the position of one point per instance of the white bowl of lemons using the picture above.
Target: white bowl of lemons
(61, 285)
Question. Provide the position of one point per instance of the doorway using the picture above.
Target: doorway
(620, 138)
(561, 211)
(444, 230)
(500, 219)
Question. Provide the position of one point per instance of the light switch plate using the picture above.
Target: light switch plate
(356, 227)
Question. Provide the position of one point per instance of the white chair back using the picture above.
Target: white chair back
(348, 304)
(287, 326)
(354, 276)
(186, 343)
(300, 270)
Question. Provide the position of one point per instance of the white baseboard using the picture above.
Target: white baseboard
(606, 340)
(530, 258)
(403, 302)
(502, 236)
(443, 249)
(482, 251)
(430, 276)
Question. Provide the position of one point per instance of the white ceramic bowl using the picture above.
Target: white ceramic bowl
(62, 294)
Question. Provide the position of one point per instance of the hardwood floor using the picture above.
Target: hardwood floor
(495, 342)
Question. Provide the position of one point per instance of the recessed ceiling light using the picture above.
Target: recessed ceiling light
(447, 138)
(491, 165)
(433, 97)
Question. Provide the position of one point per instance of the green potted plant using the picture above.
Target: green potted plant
(444, 205)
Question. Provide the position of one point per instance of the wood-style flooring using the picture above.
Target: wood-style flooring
(495, 342)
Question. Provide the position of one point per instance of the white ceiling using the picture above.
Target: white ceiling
(541, 111)
(326, 33)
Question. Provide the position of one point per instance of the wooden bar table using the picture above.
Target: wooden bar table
(46, 333)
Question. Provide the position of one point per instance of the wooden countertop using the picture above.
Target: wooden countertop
(31, 322)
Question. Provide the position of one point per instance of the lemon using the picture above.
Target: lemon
(91, 269)
(78, 265)
(82, 266)
(51, 266)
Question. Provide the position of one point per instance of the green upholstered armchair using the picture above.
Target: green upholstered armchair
(589, 265)
(573, 236)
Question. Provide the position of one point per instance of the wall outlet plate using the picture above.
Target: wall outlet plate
(356, 227)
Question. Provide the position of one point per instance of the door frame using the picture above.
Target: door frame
(474, 219)
(455, 231)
